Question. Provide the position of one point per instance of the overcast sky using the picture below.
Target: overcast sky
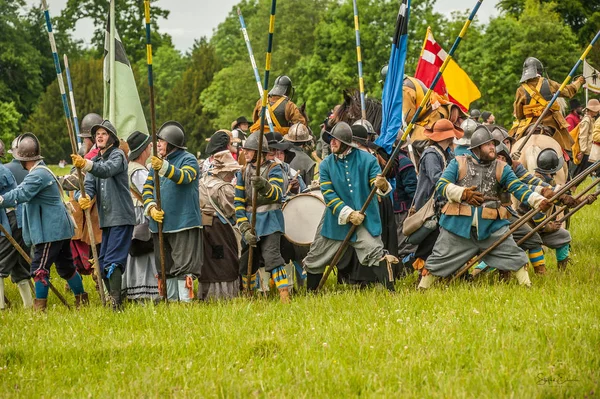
(192, 19)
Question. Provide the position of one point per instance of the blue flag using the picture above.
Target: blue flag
(392, 88)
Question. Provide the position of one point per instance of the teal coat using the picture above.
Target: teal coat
(45, 216)
(461, 225)
(348, 181)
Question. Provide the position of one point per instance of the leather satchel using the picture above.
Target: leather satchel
(415, 222)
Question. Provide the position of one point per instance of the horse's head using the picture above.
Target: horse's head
(350, 111)
(541, 129)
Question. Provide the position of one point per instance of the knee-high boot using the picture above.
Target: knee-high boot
(313, 280)
(115, 280)
(2, 301)
(25, 292)
(385, 273)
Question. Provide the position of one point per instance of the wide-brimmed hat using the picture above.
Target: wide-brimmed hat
(574, 104)
(276, 141)
(239, 121)
(223, 161)
(593, 105)
(219, 141)
(137, 142)
(443, 129)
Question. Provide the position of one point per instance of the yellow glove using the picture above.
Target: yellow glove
(78, 161)
(381, 183)
(157, 214)
(85, 202)
(356, 218)
(156, 162)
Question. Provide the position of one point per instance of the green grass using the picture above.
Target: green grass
(484, 340)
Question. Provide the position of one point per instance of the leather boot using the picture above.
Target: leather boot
(504, 276)
(40, 304)
(312, 281)
(81, 300)
(426, 282)
(284, 295)
(562, 264)
(541, 269)
(385, 273)
(115, 281)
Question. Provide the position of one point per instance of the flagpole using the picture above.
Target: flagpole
(361, 83)
(557, 93)
(253, 62)
(406, 133)
(261, 136)
(161, 246)
(72, 97)
(67, 113)
(111, 62)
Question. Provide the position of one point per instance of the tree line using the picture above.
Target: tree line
(212, 83)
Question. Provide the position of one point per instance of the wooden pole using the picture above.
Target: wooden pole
(67, 113)
(361, 82)
(161, 246)
(405, 135)
(261, 137)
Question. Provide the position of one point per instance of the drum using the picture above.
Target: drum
(302, 215)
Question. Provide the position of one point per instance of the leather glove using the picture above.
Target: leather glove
(356, 218)
(412, 211)
(547, 192)
(260, 184)
(85, 202)
(472, 197)
(545, 205)
(515, 156)
(246, 231)
(156, 162)
(381, 183)
(569, 201)
(591, 198)
(157, 214)
(552, 227)
(78, 161)
(581, 80)
(294, 186)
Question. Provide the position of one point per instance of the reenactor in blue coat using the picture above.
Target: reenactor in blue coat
(106, 181)
(180, 216)
(347, 177)
(474, 218)
(269, 218)
(11, 262)
(47, 224)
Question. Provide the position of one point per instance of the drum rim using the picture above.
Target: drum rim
(283, 207)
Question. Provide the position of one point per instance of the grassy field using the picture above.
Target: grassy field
(484, 340)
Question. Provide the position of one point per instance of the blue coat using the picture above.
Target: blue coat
(462, 150)
(267, 222)
(45, 217)
(348, 181)
(7, 183)
(461, 225)
(180, 196)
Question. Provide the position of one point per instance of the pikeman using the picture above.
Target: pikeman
(269, 219)
(553, 235)
(301, 138)
(47, 223)
(178, 172)
(532, 96)
(347, 177)
(474, 218)
(106, 181)
(284, 113)
(11, 262)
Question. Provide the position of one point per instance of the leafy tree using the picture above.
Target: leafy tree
(495, 63)
(583, 16)
(48, 121)
(129, 24)
(182, 103)
(10, 121)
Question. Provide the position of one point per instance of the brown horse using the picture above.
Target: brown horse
(349, 111)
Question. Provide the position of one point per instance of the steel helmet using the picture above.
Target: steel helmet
(282, 86)
(384, 72)
(106, 125)
(251, 143)
(89, 121)
(13, 145)
(480, 136)
(532, 67)
(468, 126)
(27, 148)
(475, 113)
(548, 162)
(298, 133)
(172, 132)
(502, 149)
(341, 131)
